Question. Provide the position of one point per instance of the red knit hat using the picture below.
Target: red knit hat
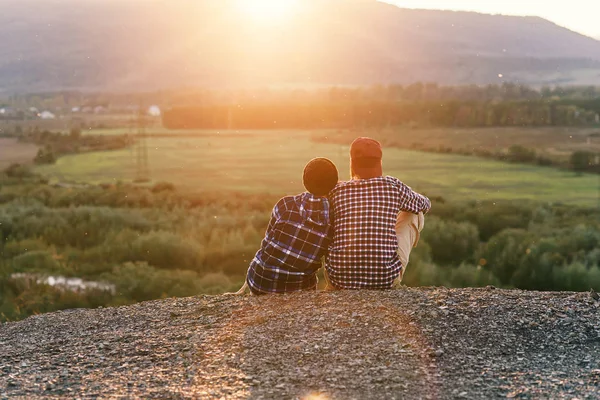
(365, 155)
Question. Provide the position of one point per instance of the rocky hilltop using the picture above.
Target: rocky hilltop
(407, 343)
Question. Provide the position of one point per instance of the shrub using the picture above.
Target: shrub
(490, 217)
(27, 298)
(215, 283)
(425, 274)
(45, 156)
(471, 276)
(168, 250)
(535, 271)
(37, 261)
(504, 252)
(75, 133)
(139, 282)
(521, 154)
(582, 161)
(576, 277)
(79, 227)
(451, 242)
(16, 248)
(163, 187)
(18, 171)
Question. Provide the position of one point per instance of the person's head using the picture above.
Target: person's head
(365, 158)
(320, 176)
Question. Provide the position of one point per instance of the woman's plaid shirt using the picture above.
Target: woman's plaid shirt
(364, 251)
(296, 240)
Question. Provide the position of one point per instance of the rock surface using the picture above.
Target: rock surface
(406, 343)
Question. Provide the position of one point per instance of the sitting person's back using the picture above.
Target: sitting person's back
(297, 237)
(371, 214)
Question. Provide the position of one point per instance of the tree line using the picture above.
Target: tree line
(379, 114)
(52, 145)
(579, 161)
(418, 91)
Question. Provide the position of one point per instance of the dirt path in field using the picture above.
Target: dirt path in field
(408, 343)
(12, 151)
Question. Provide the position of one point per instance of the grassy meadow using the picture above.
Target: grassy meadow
(272, 162)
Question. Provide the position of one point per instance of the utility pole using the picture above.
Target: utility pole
(597, 171)
(230, 118)
(141, 148)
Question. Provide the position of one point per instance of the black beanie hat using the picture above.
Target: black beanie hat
(320, 176)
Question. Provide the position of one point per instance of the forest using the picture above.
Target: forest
(154, 242)
(382, 106)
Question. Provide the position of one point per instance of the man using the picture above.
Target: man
(376, 223)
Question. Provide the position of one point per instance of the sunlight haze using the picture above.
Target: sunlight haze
(266, 10)
(577, 15)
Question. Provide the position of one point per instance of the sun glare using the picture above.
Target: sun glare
(267, 10)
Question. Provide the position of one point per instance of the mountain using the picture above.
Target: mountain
(151, 44)
(413, 343)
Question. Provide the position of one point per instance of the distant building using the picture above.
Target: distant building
(46, 115)
(100, 110)
(154, 111)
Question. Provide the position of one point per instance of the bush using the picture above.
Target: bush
(582, 161)
(37, 261)
(80, 227)
(504, 252)
(490, 217)
(163, 187)
(215, 283)
(451, 242)
(168, 250)
(536, 269)
(577, 277)
(471, 276)
(140, 282)
(75, 134)
(45, 156)
(16, 248)
(465, 275)
(521, 154)
(24, 298)
(18, 171)
(425, 274)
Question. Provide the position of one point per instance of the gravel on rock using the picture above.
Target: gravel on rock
(401, 344)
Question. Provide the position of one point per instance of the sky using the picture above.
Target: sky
(577, 15)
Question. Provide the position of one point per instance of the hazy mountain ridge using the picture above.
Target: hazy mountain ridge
(151, 44)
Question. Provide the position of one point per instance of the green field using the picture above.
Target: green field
(272, 162)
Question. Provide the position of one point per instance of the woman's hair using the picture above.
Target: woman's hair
(320, 176)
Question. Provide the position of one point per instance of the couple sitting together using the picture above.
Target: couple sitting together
(364, 229)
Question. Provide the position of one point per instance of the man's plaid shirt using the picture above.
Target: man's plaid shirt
(296, 240)
(364, 251)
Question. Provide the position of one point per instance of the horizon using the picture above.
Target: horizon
(577, 15)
